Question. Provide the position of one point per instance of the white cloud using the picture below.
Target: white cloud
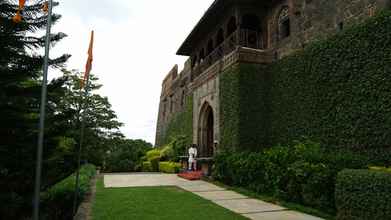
(135, 45)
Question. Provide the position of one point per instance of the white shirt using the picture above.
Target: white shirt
(192, 154)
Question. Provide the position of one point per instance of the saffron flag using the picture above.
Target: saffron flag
(45, 6)
(89, 61)
(18, 17)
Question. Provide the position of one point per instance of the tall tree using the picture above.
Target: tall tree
(20, 74)
(100, 121)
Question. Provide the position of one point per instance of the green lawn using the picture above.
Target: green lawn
(147, 203)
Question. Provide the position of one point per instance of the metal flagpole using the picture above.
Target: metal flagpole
(38, 170)
(83, 125)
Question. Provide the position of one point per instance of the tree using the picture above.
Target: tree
(101, 124)
(20, 73)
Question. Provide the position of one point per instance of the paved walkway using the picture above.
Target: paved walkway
(250, 208)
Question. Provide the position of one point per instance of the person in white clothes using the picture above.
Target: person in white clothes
(192, 157)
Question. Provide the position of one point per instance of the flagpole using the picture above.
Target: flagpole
(84, 84)
(82, 128)
(38, 171)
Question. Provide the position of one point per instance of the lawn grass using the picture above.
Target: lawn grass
(153, 203)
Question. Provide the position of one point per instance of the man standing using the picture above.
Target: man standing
(192, 157)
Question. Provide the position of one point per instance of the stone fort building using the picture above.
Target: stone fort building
(232, 32)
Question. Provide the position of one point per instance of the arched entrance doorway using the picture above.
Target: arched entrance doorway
(206, 131)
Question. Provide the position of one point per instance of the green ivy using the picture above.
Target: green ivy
(243, 107)
(180, 125)
(335, 91)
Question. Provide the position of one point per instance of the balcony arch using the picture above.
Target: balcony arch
(210, 46)
(283, 22)
(231, 27)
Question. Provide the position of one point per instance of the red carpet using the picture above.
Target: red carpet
(191, 175)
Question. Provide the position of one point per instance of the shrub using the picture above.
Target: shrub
(304, 173)
(146, 166)
(167, 153)
(169, 167)
(57, 201)
(126, 156)
(155, 163)
(363, 195)
(153, 154)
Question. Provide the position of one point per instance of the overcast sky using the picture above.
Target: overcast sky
(135, 46)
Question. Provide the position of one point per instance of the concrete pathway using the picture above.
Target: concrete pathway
(250, 208)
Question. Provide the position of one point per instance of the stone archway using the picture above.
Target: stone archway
(206, 131)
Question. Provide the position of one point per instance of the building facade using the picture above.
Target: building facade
(255, 32)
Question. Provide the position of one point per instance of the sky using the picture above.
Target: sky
(135, 47)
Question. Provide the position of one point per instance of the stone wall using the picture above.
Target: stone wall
(316, 19)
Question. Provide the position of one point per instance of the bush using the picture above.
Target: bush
(153, 154)
(155, 163)
(303, 173)
(146, 166)
(169, 167)
(57, 201)
(363, 195)
(126, 156)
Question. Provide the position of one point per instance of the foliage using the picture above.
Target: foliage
(169, 167)
(243, 107)
(146, 166)
(20, 80)
(151, 203)
(363, 195)
(155, 163)
(57, 201)
(335, 91)
(176, 148)
(126, 155)
(181, 125)
(153, 153)
(303, 173)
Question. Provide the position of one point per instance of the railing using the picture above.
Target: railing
(247, 38)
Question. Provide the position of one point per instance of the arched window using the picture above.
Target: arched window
(194, 61)
(231, 26)
(210, 47)
(202, 55)
(183, 98)
(284, 27)
(171, 104)
(250, 22)
(220, 37)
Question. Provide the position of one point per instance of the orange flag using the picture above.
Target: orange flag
(89, 60)
(45, 6)
(18, 17)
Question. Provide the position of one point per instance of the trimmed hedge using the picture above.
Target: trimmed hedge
(169, 167)
(363, 195)
(303, 173)
(57, 201)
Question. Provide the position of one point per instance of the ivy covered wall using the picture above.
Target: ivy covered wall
(243, 106)
(180, 125)
(336, 91)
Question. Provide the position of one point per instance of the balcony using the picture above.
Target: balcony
(242, 45)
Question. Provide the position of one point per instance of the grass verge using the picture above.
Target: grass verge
(151, 203)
